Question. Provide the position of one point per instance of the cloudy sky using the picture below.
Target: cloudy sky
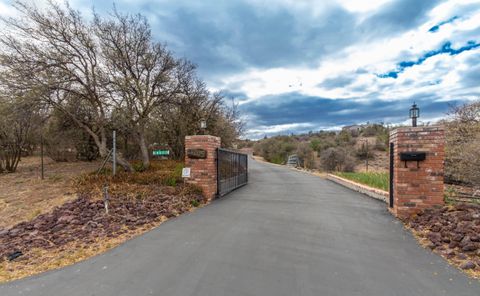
(300, 65)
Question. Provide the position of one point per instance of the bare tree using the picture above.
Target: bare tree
(56, 54)
(18, 119)
(462, 151)
(110, 74)
(140, 72)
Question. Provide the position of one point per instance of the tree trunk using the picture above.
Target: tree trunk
(143, 149)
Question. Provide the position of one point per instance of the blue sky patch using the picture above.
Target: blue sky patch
(446, 48)
(437, 27)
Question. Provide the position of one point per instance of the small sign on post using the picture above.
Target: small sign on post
(186, 173)
(161, 152)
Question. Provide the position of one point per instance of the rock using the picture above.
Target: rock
(449, 252)
(58, 228)
(14, 255)
(469, 247)
(436, 228)
(468, 265)
(434, 237)
(465, 240)
(66, 218)
(14, 232)
(462, 256)
(38, 225)
(450, 256)
(457, 237)
(33, 233)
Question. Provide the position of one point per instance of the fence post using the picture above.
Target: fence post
(41, 156)
(114, 148)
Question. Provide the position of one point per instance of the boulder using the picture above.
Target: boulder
(468, 265)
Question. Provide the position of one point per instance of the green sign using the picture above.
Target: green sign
(161, 152)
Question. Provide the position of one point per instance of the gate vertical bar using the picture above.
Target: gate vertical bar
(114, 149)
(218, 171)
(392, 154)
(246, 166)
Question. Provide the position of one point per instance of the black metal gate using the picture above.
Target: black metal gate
(391, 175)
(232, 170)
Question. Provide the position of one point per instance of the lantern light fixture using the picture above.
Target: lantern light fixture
(414, 114)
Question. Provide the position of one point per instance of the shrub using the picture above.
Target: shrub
(336, 159)
(305, 153)
(381, 145)
(363, 152)
(276, 149)
(138, 167)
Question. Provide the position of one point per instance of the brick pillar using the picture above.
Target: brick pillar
(416, 188)
(203, 168)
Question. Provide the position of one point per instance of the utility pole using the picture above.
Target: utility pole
(114, 148)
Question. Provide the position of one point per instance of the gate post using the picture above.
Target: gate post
(201, 158)
(417, 177)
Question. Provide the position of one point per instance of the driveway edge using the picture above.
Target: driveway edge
(367, 190)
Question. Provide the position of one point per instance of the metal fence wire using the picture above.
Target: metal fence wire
(232, 170)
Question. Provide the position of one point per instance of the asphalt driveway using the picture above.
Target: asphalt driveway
(286, 233)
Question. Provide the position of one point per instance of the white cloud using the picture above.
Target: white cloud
(437, 74)
(259, 131)
(6, 9)
(363, 6)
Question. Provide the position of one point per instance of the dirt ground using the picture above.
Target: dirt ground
(24, 196)
(378, 164)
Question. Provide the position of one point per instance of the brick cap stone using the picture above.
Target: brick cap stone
(418, 129)
(202, 138)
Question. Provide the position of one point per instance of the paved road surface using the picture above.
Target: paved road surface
(286, 233)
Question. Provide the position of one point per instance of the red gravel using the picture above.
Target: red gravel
(84, 220)
(453, 232)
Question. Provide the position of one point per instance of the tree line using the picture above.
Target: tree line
(75, 80)
(326, 150)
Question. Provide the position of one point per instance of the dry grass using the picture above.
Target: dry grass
(23, 195)
(162, 176)
(40, 260)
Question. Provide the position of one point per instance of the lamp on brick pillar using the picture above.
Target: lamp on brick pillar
(203, 126)
(414, 114)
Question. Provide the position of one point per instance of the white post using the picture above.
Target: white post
(114, 148)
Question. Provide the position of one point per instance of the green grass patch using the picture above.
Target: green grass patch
(372, 179)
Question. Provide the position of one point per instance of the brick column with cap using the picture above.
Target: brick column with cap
(200, 157)
(418, 185)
